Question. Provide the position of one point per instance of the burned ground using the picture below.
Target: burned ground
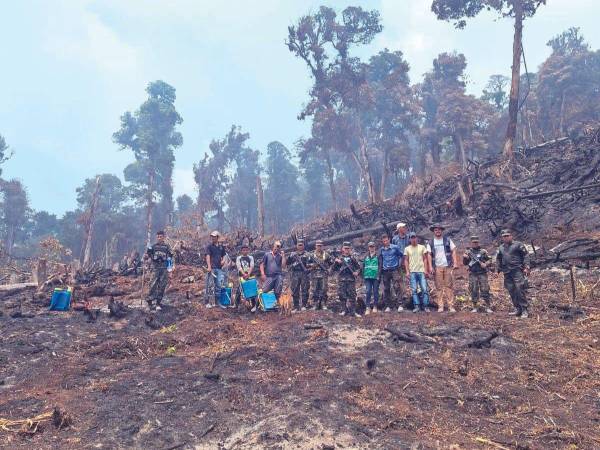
(188, 377)
(197, 378)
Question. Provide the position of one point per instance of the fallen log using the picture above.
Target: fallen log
(6, 290)
(560, 258)
(485, 342)
(558, 191)
(407, 336)
(348, 236)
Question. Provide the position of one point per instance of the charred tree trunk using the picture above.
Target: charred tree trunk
(435, 153)
(513, 106)
(365, 168)
(460, 150)
(261, 207)
(334, 199)
(89, 232)
(384, 175)
(561, 119)
(149, 207)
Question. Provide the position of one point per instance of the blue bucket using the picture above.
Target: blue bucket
(268, 301)
(250, 288)
(61, 300)
(225, 299)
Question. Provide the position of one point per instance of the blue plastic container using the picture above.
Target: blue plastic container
(268, 301)
(225, 299)
(250, 288)
(61, 300)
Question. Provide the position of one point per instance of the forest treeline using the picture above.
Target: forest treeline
(372, 128)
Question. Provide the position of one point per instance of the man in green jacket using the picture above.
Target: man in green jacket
(371, 273)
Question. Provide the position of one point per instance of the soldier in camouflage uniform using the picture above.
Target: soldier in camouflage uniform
(299, 263)
(321, 261)
(513, 261)
(477, 260)
(159, 253)
(349, 270)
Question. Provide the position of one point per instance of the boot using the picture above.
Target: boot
(516, 312)
(524, 313)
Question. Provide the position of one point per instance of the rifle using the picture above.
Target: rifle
(475, 260)
(346, 266)
(299, 260)
(318, 263)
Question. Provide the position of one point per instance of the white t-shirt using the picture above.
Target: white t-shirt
(440, 253)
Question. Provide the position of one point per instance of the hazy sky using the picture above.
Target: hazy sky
(70, 68)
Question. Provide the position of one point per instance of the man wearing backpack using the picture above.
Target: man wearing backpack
(444, 261)
(513, 261)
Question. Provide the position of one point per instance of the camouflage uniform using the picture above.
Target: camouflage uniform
(320, 278)
(159, 253)
(298, 263)
(478, 275)
(347, 282)
(511, 260)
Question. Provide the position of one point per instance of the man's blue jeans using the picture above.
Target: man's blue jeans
(215, 278)
(372, 285)
(418, 279)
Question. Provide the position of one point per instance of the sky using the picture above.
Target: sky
(70, 68)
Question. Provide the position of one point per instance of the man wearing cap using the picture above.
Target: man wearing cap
(371, 268)
(321, 261)
(513, 261)
(391, 257)
(443, 260)
(159, 253)
(477, 261)
(349, 270)
(417, 265)
(271, 270)
(402, 240)
(299, 263)
(215, 255)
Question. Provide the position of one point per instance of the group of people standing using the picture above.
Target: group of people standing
(398, 263)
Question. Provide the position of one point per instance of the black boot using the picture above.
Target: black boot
(516, 312)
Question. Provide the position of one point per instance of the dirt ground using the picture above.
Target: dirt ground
(193, 378)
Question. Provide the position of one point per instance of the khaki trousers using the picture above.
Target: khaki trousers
(444, 281)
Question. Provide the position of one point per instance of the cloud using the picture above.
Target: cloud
(411, 27)
(183, 182)
(78, 36)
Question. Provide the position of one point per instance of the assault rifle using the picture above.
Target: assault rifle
(475, 260)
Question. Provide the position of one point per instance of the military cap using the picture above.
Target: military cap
(437, 225)
(506, 232)
(300, 242)
(412, 234)
(474, 238)
(346, 244)
(371, 244)
(319, 242)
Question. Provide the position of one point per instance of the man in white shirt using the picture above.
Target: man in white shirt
(444, 260)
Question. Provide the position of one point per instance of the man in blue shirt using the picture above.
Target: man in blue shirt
(402, 240)
(391, 258)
